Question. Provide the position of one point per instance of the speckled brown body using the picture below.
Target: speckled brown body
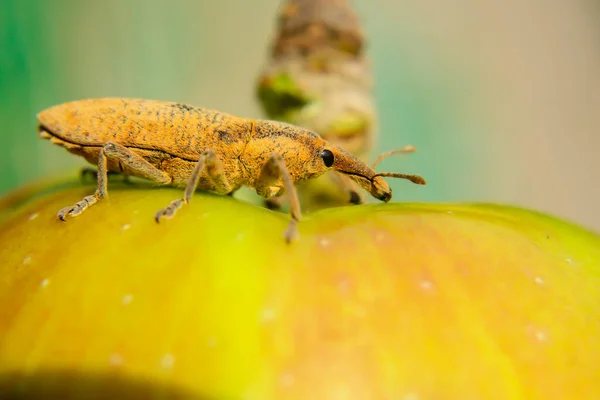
(182, 145)
(172, 136)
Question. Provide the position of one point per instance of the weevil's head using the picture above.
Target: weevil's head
(307, 155)
(366, 177)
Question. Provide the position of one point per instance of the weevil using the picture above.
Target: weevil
(181, 145)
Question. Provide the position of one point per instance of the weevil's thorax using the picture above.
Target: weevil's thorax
(299, 147)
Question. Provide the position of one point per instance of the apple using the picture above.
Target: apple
(379, 301)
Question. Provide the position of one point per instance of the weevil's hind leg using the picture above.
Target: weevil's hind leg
(274, 170)
(216, 173)
(114, 151)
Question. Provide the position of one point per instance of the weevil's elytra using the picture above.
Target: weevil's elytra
(182, 145)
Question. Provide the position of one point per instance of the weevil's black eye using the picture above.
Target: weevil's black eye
(327, 157)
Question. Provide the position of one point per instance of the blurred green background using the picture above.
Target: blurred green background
(501, 98)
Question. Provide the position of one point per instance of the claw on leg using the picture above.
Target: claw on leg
(78, 208)
(169, 211)
(209, 162)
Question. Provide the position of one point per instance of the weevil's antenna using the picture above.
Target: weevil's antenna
(419, 180)
(383, 156)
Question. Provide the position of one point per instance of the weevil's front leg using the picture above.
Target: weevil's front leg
(114, 151)
(216, 173)
(273, 170)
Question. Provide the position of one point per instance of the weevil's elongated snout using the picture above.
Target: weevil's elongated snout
(366, 176)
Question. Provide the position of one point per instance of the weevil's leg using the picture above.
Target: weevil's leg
(170, 210)
(135, 163)
(81, 206)
(273, 170)
(216, 173)
(128, 158)
(355, 195)
(77, 208)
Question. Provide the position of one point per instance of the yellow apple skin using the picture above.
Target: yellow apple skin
(385, 301)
